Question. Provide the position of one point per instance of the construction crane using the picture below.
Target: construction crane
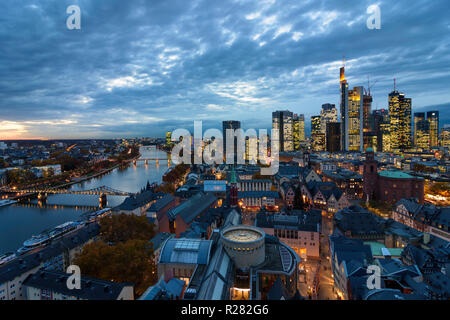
(367, 92)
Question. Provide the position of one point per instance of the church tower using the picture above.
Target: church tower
(370, 175)
(233, 189)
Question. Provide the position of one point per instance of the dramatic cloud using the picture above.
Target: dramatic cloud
(140, 68)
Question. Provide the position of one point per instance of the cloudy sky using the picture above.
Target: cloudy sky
(143, 67)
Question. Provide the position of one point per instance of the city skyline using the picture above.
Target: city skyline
(143, 70)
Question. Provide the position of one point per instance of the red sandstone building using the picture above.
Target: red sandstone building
(389, 186)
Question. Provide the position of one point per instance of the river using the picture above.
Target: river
(20, 221)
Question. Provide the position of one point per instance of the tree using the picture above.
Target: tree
(131, 261)
(165, 188)
(298, 199)
(123, 227)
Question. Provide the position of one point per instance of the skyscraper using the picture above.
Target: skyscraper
(433, 120)
(381, 129)
(351, 116)
(369, 136)
(355, 120)
(367, 112)
(299, 130)
(418, 116)
(422, 134)
(283, 121)
(317, 135)
(400, 121)
(333, 137)
(230, 124)
(327, 114)
(445, 137)
(344, 110)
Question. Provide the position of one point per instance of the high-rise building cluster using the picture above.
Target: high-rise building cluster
(359, 127)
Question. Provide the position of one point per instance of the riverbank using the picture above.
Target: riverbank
(19, 222)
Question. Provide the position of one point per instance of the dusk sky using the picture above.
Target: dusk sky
(143, 67)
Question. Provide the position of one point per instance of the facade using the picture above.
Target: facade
(418, 117)
(299, 130)
(52, 285)
(317, 135)
(178, 219)
(299, 230)
(180, 257)
(283, 121)
(433, 120)
(257, 199)
(349, 258)
(158, 209)
(381, 129)
(287, 191)
(389, 186)
(367, 113)
(233, 125)
(423, 217)
(348, 181)
(344, 110)
(422, 134)
(355, 119)
(327, 114)
(333, 137)
(324, 196)
(445, 137)
(400, 121)
(254, 185)
(55, 257)
(245, 264)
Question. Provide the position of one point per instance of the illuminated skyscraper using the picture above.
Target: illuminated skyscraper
(344, 110)
(418, 116)
(327, 114)
(351, 116)
(381, 129)
(230, 124)
(433, 120)
(422, 134)
(283, 121)
(299, 130)
(400, 121)
(317, 135)
(355, 120)
(445, 137)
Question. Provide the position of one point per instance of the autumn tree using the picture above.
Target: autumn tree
(122, 227)
(130, 261)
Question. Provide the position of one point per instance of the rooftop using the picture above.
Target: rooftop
(186, 251)
(91, 289)
(394, 174)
